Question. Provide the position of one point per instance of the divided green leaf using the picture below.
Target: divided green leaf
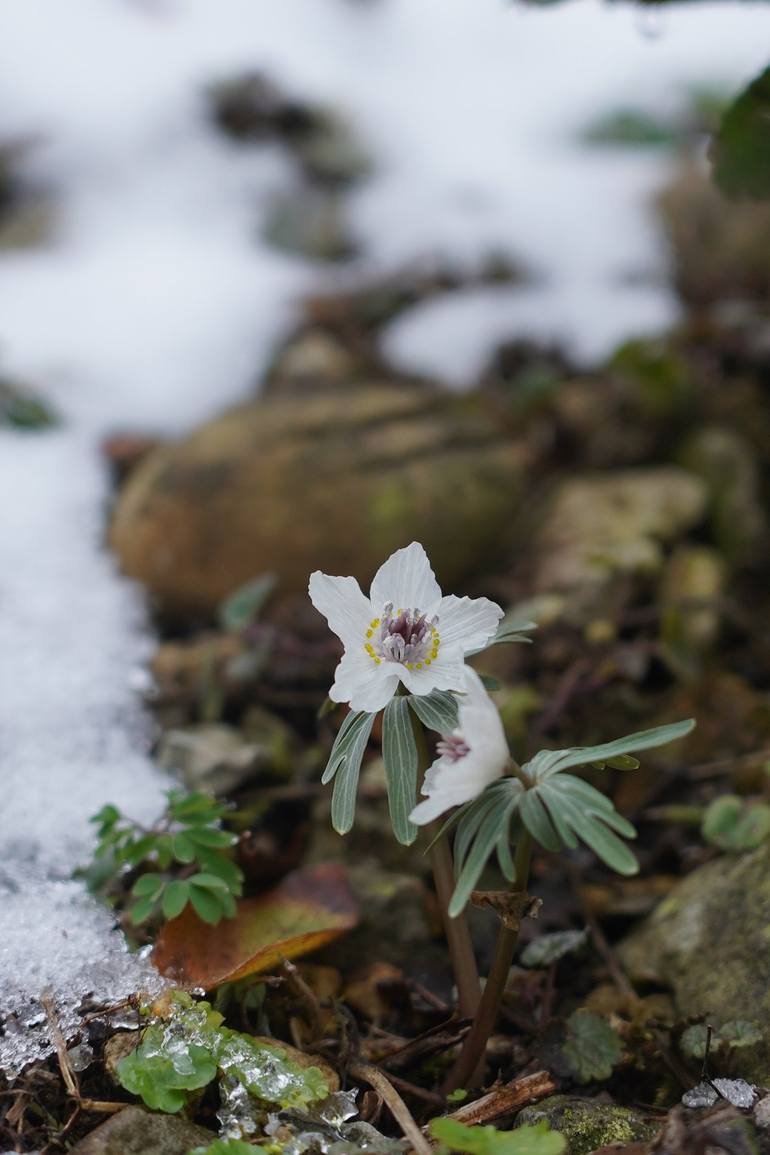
(733, 824)
(592, 1048)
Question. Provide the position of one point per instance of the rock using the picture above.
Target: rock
(314, 355)
(309, 222)
(218, 759)
(604, 524)
(332, 480)
(251, 108)
(708, 941)
(727, 463)
(720, 248)
(693, 582)
(588, 1123)
(134, 1131)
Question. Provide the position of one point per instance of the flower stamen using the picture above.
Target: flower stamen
(408, 637)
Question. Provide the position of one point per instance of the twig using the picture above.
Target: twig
(506, 1100)
(57, 1038)
(394, 1103)
(303, 991)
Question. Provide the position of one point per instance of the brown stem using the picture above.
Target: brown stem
(456, 929)
(469, 1062)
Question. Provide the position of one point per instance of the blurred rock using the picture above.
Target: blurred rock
(251, 108)
(693, 582)
(311, 223)
(134, 1131)
(332, 480)
(598, 526)
(708, 941)
(25, 209)
(218, 759)
(720, 248)
(313, 356)
(588, 1124)
(727, 463)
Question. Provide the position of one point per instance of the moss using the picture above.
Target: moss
(587, 1123)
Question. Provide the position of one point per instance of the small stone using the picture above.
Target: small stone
(588, 1123)
(134, 1131)
(737, 1092)
(309, 222)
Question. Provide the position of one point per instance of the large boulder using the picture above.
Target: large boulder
(606, 524)
(709, 941)
(318, 479)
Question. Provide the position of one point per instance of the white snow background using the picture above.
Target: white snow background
(156, 304)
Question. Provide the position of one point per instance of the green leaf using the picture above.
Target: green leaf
(148, 886)
(183, 848)
(195, 807)
(549, 762)
(536, 1140)
(399, 754)
(343, 810)
(136, 850)
(741, 151)
(175, 898)
(549, 948)
(592, 1048)
(142, 910)
(210, 838)
(209, 882)
(733, 824)
(242, 608)
(163, 1081)
(214, 863)
(437, 710)
(206, 905)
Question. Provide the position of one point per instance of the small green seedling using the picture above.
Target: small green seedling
(186, 858)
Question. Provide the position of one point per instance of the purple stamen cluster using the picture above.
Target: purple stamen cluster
(453, 748)
(407, 636)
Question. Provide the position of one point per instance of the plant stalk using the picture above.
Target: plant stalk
(468, 1069)
(456, 929)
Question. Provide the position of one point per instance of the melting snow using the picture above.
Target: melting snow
(156, 305)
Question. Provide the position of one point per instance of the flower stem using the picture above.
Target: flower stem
(456, 929)
(469, 1066)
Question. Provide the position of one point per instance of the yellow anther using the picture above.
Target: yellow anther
(427, 661)
(369, 648)
(377, 661)
(369, 633)
(410, 665)
(374, 623)
(419, 665)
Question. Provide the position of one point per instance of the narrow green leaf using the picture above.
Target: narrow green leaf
(213, 863)
(535, 817)
(175, 898)
(437, 711)
(242, 608)
(346, 782)
(554, 761)
(484, 844)
(399, 753)
(345, 740)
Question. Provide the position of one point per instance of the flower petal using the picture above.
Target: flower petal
(362, 683)
(451, 783)
(341, 602)
(407, 580)
(446, 672)
(469, 622)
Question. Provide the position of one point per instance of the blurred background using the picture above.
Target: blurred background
(489, 275)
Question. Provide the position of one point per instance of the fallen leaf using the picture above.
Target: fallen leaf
(309, 909)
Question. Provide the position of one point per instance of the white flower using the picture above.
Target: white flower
(474, 755)
(405, 631)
